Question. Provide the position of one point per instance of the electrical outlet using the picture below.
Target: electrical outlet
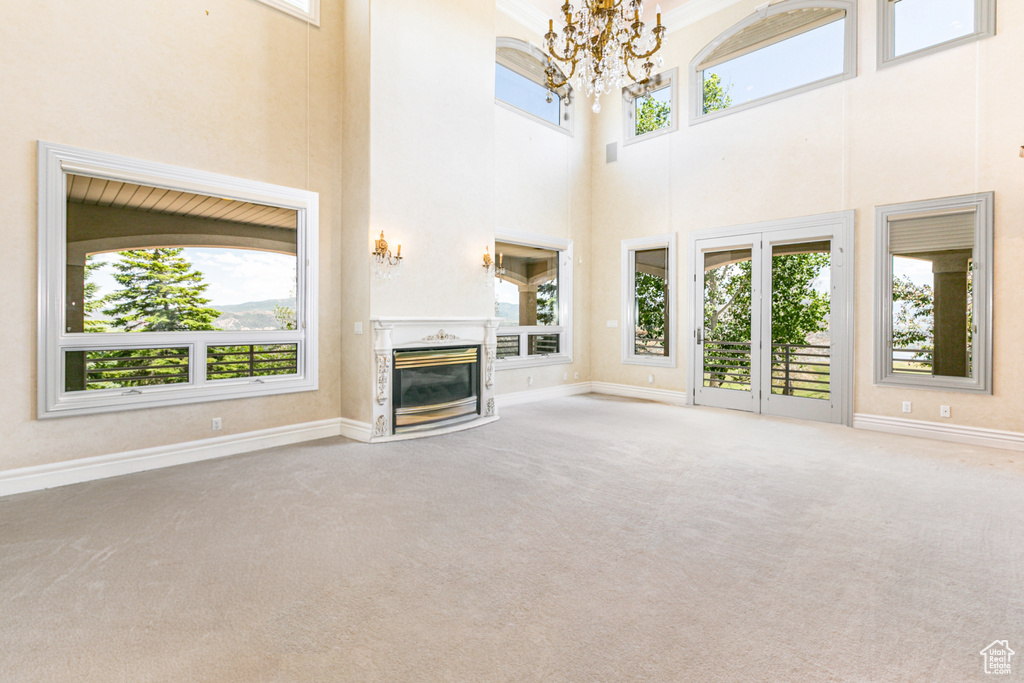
(529, 380)
(943, 411)
(650, 379)
(575, 375)
(359, 328)
(216, 424)
(565, 376)
(906, 406)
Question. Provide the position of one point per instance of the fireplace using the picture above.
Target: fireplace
(435, 387)
(432, 375)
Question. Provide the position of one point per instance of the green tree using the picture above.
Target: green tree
(716, 95)
(285, 317)
(650, 306)
(93, 303)
(652, 115)
(547, 303)
(913, 319)
(159, 293)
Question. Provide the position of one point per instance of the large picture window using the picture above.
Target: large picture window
(914, 28)
(533, 299)
(934, 280)
(648, 296)
(780, 50)
(163, 285)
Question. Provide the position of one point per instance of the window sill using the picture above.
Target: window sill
(652, 361)
(532, 361)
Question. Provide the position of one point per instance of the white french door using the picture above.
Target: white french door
(771, 318)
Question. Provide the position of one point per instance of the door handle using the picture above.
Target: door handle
(700, 335)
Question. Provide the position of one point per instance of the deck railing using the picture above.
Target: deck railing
(912, 361)
(801, 370)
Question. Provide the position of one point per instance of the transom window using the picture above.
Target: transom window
(533, 299)
(913, 28)
(650, 110)
(520, 84)
(164, 285)
(780, 50)
(934, 278)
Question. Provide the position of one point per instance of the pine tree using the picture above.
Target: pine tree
(160, 293)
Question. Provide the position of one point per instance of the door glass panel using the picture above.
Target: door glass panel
(727, 297)
(801, 302)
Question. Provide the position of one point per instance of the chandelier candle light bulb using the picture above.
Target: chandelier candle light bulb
(603, 46)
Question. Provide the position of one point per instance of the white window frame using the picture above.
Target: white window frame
(984, 26)
(308, 11)
(630, 93)
(629, 249)
(566, 110)
(565, 286)
(981, 345)
(56, 162)
(696, 113)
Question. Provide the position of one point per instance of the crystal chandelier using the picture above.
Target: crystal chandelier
(603, 46)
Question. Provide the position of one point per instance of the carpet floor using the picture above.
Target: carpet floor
(579, 539)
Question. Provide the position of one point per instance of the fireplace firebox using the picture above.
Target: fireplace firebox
(434, 387)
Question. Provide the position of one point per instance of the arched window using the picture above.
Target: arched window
(520, 84)
(778, 51)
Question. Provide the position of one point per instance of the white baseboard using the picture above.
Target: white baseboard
(40, 477)
(976, 436)
(560, 391)
(677, 398)
(357, 431)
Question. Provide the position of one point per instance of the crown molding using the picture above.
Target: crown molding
(688, 13)
(693, 11)
(526, 14)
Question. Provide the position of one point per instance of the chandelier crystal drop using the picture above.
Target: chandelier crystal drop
(603, 46)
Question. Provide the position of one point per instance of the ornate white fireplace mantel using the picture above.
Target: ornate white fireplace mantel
(423, 333)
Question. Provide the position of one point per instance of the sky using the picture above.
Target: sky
(235, 276)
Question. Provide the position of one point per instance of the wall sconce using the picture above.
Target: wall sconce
(489, 266)
(384, 259)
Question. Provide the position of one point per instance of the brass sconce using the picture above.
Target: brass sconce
(384, 259)
(489, 266)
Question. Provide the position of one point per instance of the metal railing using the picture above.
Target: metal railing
(120, 368)
(542, 344)
(251, 360)
(912, 361)
(801, 370)
(648, 346)
(727, 365)
(508, 345)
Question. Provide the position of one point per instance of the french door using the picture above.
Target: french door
(771, 318)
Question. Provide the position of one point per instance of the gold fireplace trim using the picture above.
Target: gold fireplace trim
(422, 359)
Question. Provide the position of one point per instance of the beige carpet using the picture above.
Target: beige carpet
(582, 539)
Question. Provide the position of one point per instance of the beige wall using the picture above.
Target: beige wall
(243, 90)
(937, 126)
(543, 187)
